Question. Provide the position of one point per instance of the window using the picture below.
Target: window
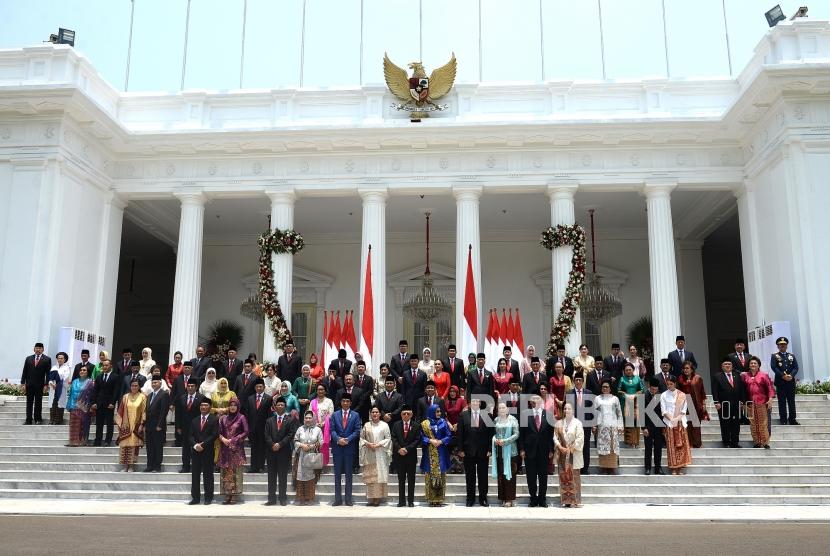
(592, 337)
(303, 329)
(436, 336)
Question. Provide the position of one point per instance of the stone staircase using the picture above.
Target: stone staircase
(35, 464)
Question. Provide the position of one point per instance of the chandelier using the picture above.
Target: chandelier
(251, 307)
(597, 304)
(427, 305)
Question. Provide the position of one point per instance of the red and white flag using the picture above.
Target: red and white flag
(495, 353)
(349, 339)
(337, 335)
(505, 335)
(324, 349)
(367, 317)
(488, 339)
(511, 335)
(519, 337)
(469, 334)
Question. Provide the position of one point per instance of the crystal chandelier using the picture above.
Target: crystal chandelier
(597, 304)
(251, 308)
(427, 305)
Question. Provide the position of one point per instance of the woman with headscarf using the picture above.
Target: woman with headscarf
(102, 356)
(78, 404)
(308, 439)
(455, 404)
(524, 364)
(629, 389)
(504, 456)
(673, 409)
(375, 457)
(639, 363)
(322, 408)
(59, 381)
(692, 385)
(317, 370)
(146, 364)
(569, 438)
(426, 364)
(219, 402)
(435, 461)
(608, 428)
(292, 404)
(233, 430)
(210, 384)
(759, 395)
(272, 381)
(132, 411)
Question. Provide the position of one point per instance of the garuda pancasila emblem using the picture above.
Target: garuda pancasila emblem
(419, 92)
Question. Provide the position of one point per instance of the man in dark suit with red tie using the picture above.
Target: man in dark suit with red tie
(204, 430)
(259, 409)
(406, 437)
(512, 364)
(455, 366)
(36, 369)
(341, 365)
(728, 395)
(105, 394)
(414, 382)
(123, 365)
(740, 357)
(614, 364)
(289, 365)
(480, 380)
(532, 380)
(278, 436)
(560, 356)
(582, 401)
(474, 437)
(245, 387)
(399, 364)
(187, 409)
(536, 449)
(232, 367)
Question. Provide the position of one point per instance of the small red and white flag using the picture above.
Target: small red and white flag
(367, 318)
(337, 335)
(488, 339)
(349, 338)
(519, 338)
(324, 348)
(469, 334)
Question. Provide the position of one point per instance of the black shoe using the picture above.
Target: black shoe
(736, 445)
(543, 504)
(283, 502)
(794, 422)
(469, 504)
(107, 444)
(193, 502)
(184, 470)
(147, 470)
(648, 471)
(586, 471)
(483, 503)
(533, 504)
(27, 422)
(783, 421)
(337, 503)
(766, 447)
(156, 470)
(270, 503)
(96, 443)
(659, 471)
(411, 504)
(39, 422)
(349, 502)
(401, 504)
(208, 502)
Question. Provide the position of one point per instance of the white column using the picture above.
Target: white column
(467, 233)
(109, 253)
(693, 323)
(562, 212)
(750, 255)
(374, 234)
(282, 217)
(184, 330)
(665, 306)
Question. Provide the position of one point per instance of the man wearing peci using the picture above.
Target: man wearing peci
(36, 369)
(455, 366)
(390, 402)
(535, 448)
(406, 437)
(204, 430)
(414, 382)
(474, 437)
(615, 363)
(345, 430)
(678, 356)
(480, 380)
(187, 409)
(155, 427)
(560, 357)
(289, 365)
(123, 365)
(278, 436)
(740, 357)
(259, 410)
(728, 395)
(84, 361)
(105, 394)
(399, 363)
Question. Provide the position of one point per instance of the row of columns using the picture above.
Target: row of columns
(662, 264)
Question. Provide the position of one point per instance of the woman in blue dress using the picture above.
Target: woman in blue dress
(435, 437)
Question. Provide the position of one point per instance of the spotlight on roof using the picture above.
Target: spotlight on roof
(775, 15)
(64, 36)
(802, 12)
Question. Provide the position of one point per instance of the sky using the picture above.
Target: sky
(340, 43)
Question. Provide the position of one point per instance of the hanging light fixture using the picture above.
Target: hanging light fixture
(251, 308)
(427, 305)
(597, 304)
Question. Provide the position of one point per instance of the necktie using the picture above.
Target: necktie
(204, 420)
(413, 376)
(475, 419)
(389, 395)
(682, 357)
(430, 400)
(345, 418)
(245, 380)
(562, 361)
(741, 357)
(279, 422)
(481, 376)
(729, 376)
(452, 364)
(513, 398)
(538, 420)
(361, 381)
(106, 376)
(402, 355)
(258, 400)
(230, 365)
(189, 402)
(579, 398)
(126, 364)
(536, 377)
(152, 397)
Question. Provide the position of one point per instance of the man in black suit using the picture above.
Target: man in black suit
(414, 382)
(278, 436)
(204, 430)
(535, 448)
(400, 363)
(653, 429)
(728, 395)
(84, 362)
(259, 409)
(664, 374)
(598, 376)
(158, 404)
(740, 357)
(406, 437)
(201, 363)
(181, 382)
(454, 365)
(105, 394)
(513, 398)
(474, 437)
(362, 380)
(532, 380)
(289, 364)
(123, 366)
(680, 355)
(430, 397)
(342, 365)
(581, 399)
(36, 369)
(332, 384)
(390, 402)
(480, 380)
(560, 356)
(512, 364)
(244, 387)
(614, 363)
(187, 409)
(233, 366)
(131, 375)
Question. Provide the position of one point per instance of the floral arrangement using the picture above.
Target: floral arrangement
(280, 242)
(561, 236)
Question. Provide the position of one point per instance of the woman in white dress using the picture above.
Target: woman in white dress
(638, 362)
(146, 364)
(375, 455)
(583, 362)
(673, 408)
(569, 438)
(210, 384)
(426, 364)
(59, 381)
(147, 389)
(272, 381)
(608, 429)
(308, 439)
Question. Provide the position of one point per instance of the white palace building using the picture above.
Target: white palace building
(135, 216)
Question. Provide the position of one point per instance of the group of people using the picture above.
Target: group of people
(532, 417)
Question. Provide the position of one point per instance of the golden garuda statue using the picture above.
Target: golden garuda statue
(419, 92)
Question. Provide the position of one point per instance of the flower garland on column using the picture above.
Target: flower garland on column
(561, 236)
(280, 242)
